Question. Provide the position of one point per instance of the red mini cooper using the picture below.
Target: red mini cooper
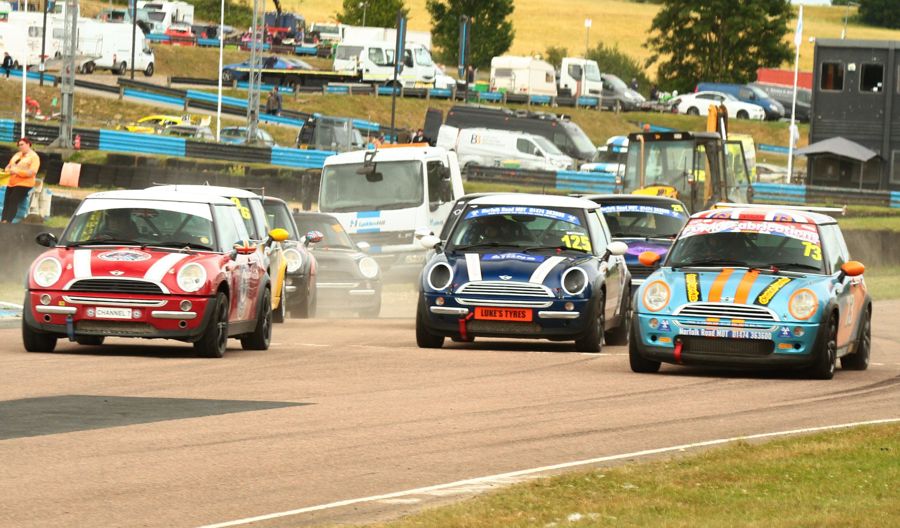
(150, 264)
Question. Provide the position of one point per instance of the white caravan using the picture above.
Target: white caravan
(580, 77)
(503, 148)
(374, 63)
(382, 197)
(107, 46)
(523, 75)
(163, 14)
(21, 36)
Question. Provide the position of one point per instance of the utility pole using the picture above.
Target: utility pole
(398, 67)
(133, 33)
(67, 77)
(44, 42)
(587, 36)
(846, 16)
(365, 6)
(255, 80)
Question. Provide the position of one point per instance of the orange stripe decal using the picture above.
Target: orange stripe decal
(715, 292)
(743, 289)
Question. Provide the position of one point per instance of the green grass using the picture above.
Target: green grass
(883, 283)
(846, 478)
(870, 223)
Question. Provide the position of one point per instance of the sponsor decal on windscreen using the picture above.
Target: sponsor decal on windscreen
(674, 213)
(519, 210)
(709, 226)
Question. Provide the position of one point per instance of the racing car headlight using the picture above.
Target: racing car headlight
(656, 296)
(47, 272)
(574, 281)
(368, 267)
(191, 277)
(293, 259)
(803, 304)
(440, 276)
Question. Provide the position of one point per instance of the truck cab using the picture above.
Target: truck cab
(382, 197)
(580, 77)
(373, 62)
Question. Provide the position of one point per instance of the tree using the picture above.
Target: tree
(492, 31)
(612, 60)
(718, 40)
(554, 55)
(884, 13)
(377, 13)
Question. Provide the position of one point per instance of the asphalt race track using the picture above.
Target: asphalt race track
(138, 434)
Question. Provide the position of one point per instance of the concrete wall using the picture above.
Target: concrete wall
(874, 248)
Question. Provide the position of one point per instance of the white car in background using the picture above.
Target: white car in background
(697, 103)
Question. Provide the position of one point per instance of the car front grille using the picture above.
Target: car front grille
(113, 328)
(504, 288)
(385, 238)
(116, 286)
(504, 328)
(727, 347)
(727, 311)
(640, 272)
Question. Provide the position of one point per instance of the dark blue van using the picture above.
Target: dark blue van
(748, 94)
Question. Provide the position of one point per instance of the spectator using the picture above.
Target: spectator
(22, 169)
(7, 63)
(273, 103)
(654, 93)
(419, 137)
(634, 84)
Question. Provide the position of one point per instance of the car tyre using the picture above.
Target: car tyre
(261, 336)
(693, 111)
(424, 338)
(859, 360)
(279, 314)
(227, 76)
(826, 353)
(306, 307)
(619, 335)
(639, 363)
(214, 341)
(90, 340)
(148, 72)
(592, 340)
(742, 114)
(36, 341)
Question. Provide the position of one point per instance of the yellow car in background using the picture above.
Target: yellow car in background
(155, 124)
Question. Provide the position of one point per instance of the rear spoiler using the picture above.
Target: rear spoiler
(840, 210)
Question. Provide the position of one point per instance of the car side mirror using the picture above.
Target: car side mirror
(313, 237)
(46, 240)
(649, 259)
(279, 234)
(617, 249)
(423, 232)
(364, 246)
(430, 241)
(245, 249)
(853, 268)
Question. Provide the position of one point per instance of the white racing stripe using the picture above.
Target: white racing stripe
(524, 473)
(473, 266)
(159, 268)
(81, 264)
(544, 269)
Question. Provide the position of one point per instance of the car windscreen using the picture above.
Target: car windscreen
(394, 185)
(547, 146)
(663, 163)
(347, 52)
(423, 57)
(615, 82)
(591, 71)
(175, 224)
(787, 246)
(333, 234)
(583, 143)
(644, 221)
(524, 229)
(278, 216)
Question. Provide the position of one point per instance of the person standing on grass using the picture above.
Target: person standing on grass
(7, 63)
(22, 169)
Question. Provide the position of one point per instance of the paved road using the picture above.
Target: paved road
(130, 434)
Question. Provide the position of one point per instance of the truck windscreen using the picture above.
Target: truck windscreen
(395, 185)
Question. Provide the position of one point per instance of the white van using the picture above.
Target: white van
(580, 77)
(107, 46)
(374, 63)
(383, 196)
(503, 148)
(523, 75)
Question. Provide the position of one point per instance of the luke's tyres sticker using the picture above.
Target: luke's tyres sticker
(692, 287)
(770, 291)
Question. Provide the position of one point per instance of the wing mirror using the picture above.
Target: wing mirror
(313, 237)
(853, 268)
(423, 232)
(617, 248)
(649, 259)
(364, 246)
(430, 241)
(46, 239)
(279, 234)
(245, 249)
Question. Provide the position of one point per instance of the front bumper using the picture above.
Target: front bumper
(350, 294)
(549, 318)
(694, 341)
(75, 314)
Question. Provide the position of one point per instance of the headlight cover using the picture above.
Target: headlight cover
(440, 276)
(574, 281)
(191, 277)
(803, 304)
(293, 259)
(47, 272)
(656, 296)
(368, 268)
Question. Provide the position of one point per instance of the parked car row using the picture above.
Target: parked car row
(196, 128)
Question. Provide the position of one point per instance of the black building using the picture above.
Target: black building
(856, 95)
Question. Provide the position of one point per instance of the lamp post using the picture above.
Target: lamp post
(44, 41)
(587, 35)
(365, 7)
(846, 16)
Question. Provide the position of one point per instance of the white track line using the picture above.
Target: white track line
(531, 471)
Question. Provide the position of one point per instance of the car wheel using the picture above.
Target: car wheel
(424, 338)
(742, 114)
(214, 341)
(638, 362)
(36, 341)
(306, 306)
(693, 111)
(90, 340)
(619, 335)
(373, 311)
(123, 68)
(88, 67)
(262, 334)
(826, 355)
(592, 341)
(227, 76)
(859, 360)
(279, 314)
(149, 71)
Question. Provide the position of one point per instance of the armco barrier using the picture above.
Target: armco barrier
(115, 141)
(305, 159)
(895, 200)
(587, 182)
(153, 97)
(8, 130)
(779, 192)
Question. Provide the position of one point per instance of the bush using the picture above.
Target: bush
(554, 55)
(612, 60)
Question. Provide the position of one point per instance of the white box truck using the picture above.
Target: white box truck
(523, 75)
(579, 76)
(163, 14)
(374, 63)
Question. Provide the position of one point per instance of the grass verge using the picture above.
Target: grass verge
(844, 478)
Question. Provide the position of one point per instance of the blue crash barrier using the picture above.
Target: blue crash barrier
(116, 141)
(368, 126)
(895, 199)
(589, 182)
(588, 101)
(8, 130)
(779, 192)
(305, 159)
(153, 97)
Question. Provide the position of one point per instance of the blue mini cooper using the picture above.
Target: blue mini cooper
(755, 286)
(525, 266)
